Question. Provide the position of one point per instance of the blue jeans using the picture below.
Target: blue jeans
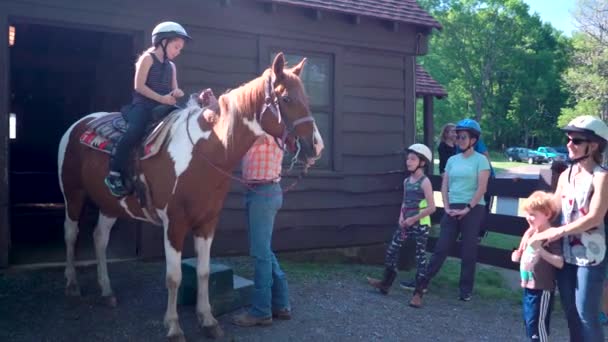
(580, 290)
(270, 284)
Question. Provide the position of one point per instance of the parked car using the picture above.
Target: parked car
(550, 154)
(563, 150)
(522, 154)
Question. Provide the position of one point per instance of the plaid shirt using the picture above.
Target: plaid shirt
(262, 163)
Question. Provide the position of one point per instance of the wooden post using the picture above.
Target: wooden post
(5, 236)
(429, 130)
(409, 76)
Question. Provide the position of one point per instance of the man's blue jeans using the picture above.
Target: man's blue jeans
(580, 290)
(270, 284)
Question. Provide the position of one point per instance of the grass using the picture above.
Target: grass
(489, 283)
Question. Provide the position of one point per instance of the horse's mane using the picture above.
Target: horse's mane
(247, 100)
(243, 101)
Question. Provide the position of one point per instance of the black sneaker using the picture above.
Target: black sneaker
(410, 285)
(466, 297)
(115, 184)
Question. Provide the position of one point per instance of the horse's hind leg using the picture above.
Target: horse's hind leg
(101, 236)
(73, 206)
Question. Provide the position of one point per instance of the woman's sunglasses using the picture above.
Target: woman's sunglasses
(462, 137)
(577, 141)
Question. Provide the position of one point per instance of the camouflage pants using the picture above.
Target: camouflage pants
(420, 234)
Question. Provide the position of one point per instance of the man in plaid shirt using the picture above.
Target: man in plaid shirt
(264, 197)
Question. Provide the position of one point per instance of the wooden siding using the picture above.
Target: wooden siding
(355, 203)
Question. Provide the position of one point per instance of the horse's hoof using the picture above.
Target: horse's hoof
(72, 290)
(213, 331)
(177, 338)
(110, 301)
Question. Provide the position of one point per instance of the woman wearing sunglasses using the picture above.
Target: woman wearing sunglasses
(464, 183)
(581, 194)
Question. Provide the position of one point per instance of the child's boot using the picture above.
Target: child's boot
(383, 285)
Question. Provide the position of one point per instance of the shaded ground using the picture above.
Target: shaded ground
(332, 304)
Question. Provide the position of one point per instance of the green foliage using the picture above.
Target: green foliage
(587, 78)
(501, 66)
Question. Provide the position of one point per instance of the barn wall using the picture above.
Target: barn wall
(354, 202)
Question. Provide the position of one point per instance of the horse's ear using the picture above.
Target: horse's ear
(298, 68)
(277, 65)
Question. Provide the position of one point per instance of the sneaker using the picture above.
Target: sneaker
(115, 184)
(465, 297)
(410, 286)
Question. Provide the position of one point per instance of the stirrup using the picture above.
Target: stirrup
(115, 184)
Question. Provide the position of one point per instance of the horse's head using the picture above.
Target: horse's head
(287, 100)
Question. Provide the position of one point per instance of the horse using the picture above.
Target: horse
(187, 180)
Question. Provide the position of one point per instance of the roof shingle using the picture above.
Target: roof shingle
(426, 85)
(404, 11)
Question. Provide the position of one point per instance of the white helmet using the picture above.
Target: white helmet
(421, 150)
(168, 29)
(589, 125)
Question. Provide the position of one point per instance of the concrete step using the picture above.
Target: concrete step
(227, 291)
(220, 276)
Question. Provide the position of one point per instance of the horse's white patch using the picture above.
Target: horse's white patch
(172, 256)
(203, 308)
(101, 236)
(70, 231)
(125, 206)
(253, 126)
(317, 141)
(63, 145)
(180, 147)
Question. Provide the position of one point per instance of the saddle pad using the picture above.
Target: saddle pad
(103, 134)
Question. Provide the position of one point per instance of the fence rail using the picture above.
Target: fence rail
(496, 222)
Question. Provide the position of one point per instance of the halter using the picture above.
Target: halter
(271, 101)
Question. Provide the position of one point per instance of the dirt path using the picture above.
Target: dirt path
(331, 307)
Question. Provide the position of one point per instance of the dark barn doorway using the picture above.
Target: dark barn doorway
(58, 75)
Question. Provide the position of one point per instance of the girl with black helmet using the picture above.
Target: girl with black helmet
(581, 195)
(464, 184)
(414, 220)
(155, 84)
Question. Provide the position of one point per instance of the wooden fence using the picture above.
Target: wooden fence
(500, 223)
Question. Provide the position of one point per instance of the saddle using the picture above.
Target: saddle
(103, 133)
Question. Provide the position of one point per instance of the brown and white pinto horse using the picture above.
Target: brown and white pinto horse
(187, 180)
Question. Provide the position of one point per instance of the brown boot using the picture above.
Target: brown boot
(245, 319)
(383, 285)
(282, 314)
(416, 301)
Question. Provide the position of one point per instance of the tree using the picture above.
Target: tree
(587, 78)
(500, 65)
(591, 18)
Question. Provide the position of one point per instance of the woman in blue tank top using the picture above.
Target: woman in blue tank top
(155, 84)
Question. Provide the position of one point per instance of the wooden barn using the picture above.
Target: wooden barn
(62, 59)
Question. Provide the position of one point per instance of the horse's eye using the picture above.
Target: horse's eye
(286, 99)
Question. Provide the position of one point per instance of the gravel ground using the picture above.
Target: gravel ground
(332, 307)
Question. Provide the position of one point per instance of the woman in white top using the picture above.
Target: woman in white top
(581, 193)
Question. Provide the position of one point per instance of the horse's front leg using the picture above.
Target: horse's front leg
(203, 308)
(174, 240)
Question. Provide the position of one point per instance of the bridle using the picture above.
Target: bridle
(271, 103)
